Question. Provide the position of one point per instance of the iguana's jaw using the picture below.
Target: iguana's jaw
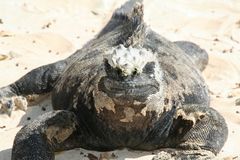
(127, 91)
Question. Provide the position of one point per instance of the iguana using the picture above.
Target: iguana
(127, 88)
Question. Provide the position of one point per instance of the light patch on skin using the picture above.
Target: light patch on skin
(137, 103)
(60, 134)
(144, 111)
(103, 101)
(193, 116)
(75, 100)
(155, 102)
(180, 130)
(129, 114)
(130, 59)
(20, 102)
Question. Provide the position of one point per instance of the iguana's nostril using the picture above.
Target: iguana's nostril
(135, 71)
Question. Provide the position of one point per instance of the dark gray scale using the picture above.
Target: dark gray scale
(127, 88)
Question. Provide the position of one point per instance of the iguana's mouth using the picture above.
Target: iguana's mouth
(129, 90)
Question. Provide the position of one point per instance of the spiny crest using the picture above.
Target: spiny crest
(126, 22)
(131, 9)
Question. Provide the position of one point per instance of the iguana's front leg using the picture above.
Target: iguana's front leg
(38, 81)
(196, 133)
(51, 132)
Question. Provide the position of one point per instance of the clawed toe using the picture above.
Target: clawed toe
(7, 105)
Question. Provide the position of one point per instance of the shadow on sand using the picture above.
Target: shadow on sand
(6, 154)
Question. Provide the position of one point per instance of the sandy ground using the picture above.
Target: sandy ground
(33, 33)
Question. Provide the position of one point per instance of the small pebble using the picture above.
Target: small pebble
(237, 112)
(237, 102)
(92, 157)
(3, 57)
(47, 25)
(238, 23)
(2, 127)
(237, 85)
(107, 156)
(94, 13)
(113, 155)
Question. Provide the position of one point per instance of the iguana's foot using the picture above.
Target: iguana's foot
(10, 101)
(174, 154)
(7, 105)
(50, 132)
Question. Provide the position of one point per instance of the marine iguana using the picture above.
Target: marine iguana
(128, 87)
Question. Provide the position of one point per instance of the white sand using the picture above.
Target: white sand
(39, 32)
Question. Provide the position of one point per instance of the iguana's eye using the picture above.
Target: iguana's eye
(134, 72)
(112, 72)
(107, 65)
(149, 68)
(118, 71)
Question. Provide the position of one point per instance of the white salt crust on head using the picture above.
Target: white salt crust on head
(130, 59)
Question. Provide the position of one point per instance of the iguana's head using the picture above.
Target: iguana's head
(131, 75)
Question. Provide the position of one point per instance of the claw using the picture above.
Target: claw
(9, 108)
(7, 105)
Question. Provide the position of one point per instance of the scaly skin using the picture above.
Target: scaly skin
(128, 87)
